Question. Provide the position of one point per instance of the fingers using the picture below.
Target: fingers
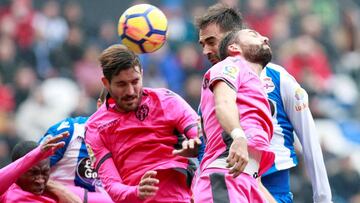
(57, 138)
(231, 159)
(53, 142)
(147, 186)
(186, 144)
(197, 141)
(237, 161)
(238, 168)
(178, 152)
(149, 174)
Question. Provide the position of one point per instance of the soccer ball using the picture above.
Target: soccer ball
(142, 28)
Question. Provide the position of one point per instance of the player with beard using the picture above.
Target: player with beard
(237, 128)
(290, 112)
(134, 133)
(285, 95)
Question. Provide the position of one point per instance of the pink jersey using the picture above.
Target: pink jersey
(254, 110)
(139, 141)
(9, 191)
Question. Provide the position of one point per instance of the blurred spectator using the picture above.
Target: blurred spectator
(17, 22)
(305, 59)
(345, 182)
(192, 88)
(71, 51)
(51, 30)
(8, 59)
(25, 80)
(190, 59)
(50, 102)
(88, 73)
(260, 17)
(107, 35)
(7, 102)
(167, 66)
(73, 14)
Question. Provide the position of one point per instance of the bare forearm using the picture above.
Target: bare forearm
(227, 115)
(63, 193)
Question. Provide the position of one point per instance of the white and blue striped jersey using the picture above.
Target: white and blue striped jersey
(290, 113)
(71, 164)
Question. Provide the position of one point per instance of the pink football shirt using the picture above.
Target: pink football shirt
(9, 191)
(254, 110)
(139, 141)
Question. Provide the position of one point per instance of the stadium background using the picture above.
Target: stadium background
(49, 68)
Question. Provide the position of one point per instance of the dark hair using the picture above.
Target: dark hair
(225, 17)
(22, 148)
(117, 58)
(228, 39)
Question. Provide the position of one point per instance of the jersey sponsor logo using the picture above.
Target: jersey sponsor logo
(230, 71)
(86, 171)
(142, 112)
(301, 104)
(299, 94)
(63, 125)
(268, 84)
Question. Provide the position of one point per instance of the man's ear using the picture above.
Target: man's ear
(234, 49)
(105, 82)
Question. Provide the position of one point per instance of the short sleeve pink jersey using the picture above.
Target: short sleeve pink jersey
(253, 107)
(142, 140)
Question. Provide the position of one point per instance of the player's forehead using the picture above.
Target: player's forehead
(209, 31)
(128, 75)
(248, 31)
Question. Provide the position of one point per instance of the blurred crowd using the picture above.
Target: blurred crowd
(49, 68)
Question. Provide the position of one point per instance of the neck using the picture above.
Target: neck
(256, 67)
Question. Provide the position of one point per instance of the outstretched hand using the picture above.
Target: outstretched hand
(51, 144)
(190, 148)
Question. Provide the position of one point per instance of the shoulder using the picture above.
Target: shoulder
(272, 67)
(62, 126)
(100, 116)
(159, 93)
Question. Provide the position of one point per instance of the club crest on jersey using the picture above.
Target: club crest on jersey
(268, 84)
(301, 103)
(142, 112)
(230, 71)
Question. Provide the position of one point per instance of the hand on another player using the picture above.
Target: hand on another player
(189, 148)
(51, 144)
(146, 187)
(238, 156)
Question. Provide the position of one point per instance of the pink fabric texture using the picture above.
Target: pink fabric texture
(139, 141)
(253, 107)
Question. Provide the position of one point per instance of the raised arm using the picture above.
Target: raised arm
(10, 173)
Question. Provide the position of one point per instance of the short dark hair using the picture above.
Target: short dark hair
(22, 148)
(228, 39)
(225, 17)
(117, 58)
